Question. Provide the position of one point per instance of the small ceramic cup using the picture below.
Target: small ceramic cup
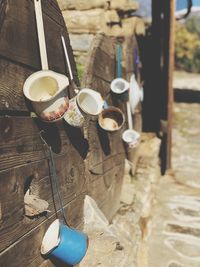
(73, 116)
(47, 92)
(131, 138)
(66, 244)
(111, 119)
(90, 102)
(85, 105)
(119, 86)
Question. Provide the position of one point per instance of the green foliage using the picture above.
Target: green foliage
(80, 70)
(187, 46)
(193, 24)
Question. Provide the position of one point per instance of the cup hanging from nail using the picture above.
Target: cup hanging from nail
(46, 89)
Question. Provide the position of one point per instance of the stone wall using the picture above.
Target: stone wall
(119, 243)
(84, 19)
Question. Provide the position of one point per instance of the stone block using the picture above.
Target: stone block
(81, 42)
(130, 26)
(89, 21)
(81, 4)
(124, 5)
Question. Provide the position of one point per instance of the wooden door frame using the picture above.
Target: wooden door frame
(163, 25)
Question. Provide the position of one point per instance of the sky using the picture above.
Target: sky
(182, 4)
(145, 6)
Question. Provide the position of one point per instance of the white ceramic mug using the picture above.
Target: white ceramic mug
(119, 86)
(73, 116)
(90, 102)
(111, 119)
(131, 138)
(46, 90)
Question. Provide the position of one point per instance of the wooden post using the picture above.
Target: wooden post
(169, 31)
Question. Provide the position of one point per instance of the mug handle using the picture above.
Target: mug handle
(105, 105)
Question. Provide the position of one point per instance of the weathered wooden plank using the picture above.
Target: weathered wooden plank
(169, 54)
(104, 65)
(102, 60)
(12, 77)
(26, 251)
(128, 50)
(35, 176)
(19, 43)
(20, 142)
(98, 84)
(106, 189)
(104, 147)
(19, 49)
(105, 159)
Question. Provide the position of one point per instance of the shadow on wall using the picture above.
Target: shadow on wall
(104, 140)
(51, 134)
(58, 263)
(77, 139)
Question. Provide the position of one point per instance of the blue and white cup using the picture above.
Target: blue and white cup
(64, 243)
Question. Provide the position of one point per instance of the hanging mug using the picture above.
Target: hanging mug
(131, 138)
(86, 104)
(89, 102)
(111, 119)
(119, 86)
(66, 244)
(46, 90)
(73, 116)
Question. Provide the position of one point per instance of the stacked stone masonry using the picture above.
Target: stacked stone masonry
(84, 19)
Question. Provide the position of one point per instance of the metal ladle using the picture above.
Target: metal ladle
(130, 136)
(86, 104)
(45, 88)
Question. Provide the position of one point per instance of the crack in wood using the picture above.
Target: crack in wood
(3, 9)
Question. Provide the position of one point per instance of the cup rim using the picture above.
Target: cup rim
(55, 225)
(40, 74)
(88, 90)
(111, 108)
(133, 132)
(127, 85)
(79, 114)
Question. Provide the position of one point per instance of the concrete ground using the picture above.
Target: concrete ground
(158, 223)
(186, 80)
(172, 231)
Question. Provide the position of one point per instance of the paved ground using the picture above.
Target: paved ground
(185, 80)
(158, 224)
(172, 235)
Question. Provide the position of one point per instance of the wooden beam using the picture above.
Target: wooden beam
(105, 160)
(20, 141)
(169, 32)
(26, 250)
(19, 49)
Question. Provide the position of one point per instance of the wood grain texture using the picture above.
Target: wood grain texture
(101, 61)
(23, 159)
(106, 150)
(19, 49)
(19, 40)
(36, 176)
(26, 251)
(106, 189)
(12, 77)
(131, 58)
(20, 142)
